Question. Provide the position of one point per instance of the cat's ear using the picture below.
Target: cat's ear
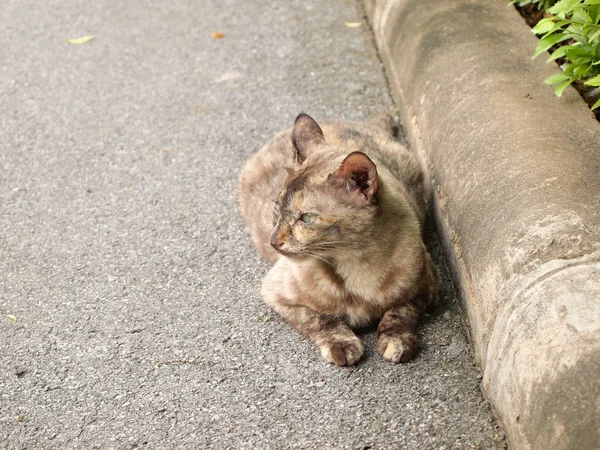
(305, 133)
(359, 176)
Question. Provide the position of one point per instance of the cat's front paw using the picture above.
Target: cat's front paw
(397, 347)
(342, 351)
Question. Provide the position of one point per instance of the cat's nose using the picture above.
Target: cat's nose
(276, 244)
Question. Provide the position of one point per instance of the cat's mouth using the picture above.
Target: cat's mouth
(286, 253)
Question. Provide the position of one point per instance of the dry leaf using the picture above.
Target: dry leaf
(80, 40)
(20, 418)
(218, 35)
(353, 24)
(11, 317)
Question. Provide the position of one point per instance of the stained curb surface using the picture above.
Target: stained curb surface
(516, 187)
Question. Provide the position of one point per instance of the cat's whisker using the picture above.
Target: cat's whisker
(332, 243)
(329, 248)
(321, 258)
(323, 248)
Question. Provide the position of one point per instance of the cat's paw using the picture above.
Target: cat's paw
(342, 351)
(397, 347)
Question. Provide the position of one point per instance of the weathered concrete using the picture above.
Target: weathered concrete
(516, 177)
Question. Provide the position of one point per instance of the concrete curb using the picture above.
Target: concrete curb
(517, 201)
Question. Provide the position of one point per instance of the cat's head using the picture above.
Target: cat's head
(328, 202)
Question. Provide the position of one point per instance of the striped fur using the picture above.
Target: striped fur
(361, 258)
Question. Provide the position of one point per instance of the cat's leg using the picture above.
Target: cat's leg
(338, 344)
(397, 333)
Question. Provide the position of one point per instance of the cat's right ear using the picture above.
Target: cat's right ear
(358, 176)
(305, 133)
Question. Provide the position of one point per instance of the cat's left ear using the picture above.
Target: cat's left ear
(359, 175)
(305, 133)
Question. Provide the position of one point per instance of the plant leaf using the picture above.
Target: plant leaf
(558, 53)
(80, 40)
(11, 317)
(595, 81)
(561, 87)
(581, 16)
(543, 26)
(594, 35)
(548, 42)
(557, 26)
(596, 105)
(563, 7)
(581, 71)
(556, 78)
(579, 55)
(353, 24)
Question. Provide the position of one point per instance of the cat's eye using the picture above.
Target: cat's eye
(308, 218)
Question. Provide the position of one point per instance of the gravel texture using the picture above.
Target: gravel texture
(123, 258)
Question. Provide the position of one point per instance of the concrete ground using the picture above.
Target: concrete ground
(126, 265)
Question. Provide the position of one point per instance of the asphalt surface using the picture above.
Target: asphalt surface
(129, 289)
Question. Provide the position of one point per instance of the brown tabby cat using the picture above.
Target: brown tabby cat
(339, 210)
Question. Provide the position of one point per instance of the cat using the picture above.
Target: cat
(339, 211)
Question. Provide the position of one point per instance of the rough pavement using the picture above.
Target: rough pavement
(124, 260)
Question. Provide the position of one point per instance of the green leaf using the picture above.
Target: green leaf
(579, 54)
(568, 68)
(548, 42)
(596, 105)
(558, 53)
(580, 15)
(594, 81)
(543, 26)
(563, 7)
(591, 2)
(556, 78)
(594, 35)
(594, 12)
(557, 26)
(581, 71)
(561, 87)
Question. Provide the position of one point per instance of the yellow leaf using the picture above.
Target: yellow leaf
(218, 35)
(20, 418)
(353, 24)
(11, 317)
(80, 40)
